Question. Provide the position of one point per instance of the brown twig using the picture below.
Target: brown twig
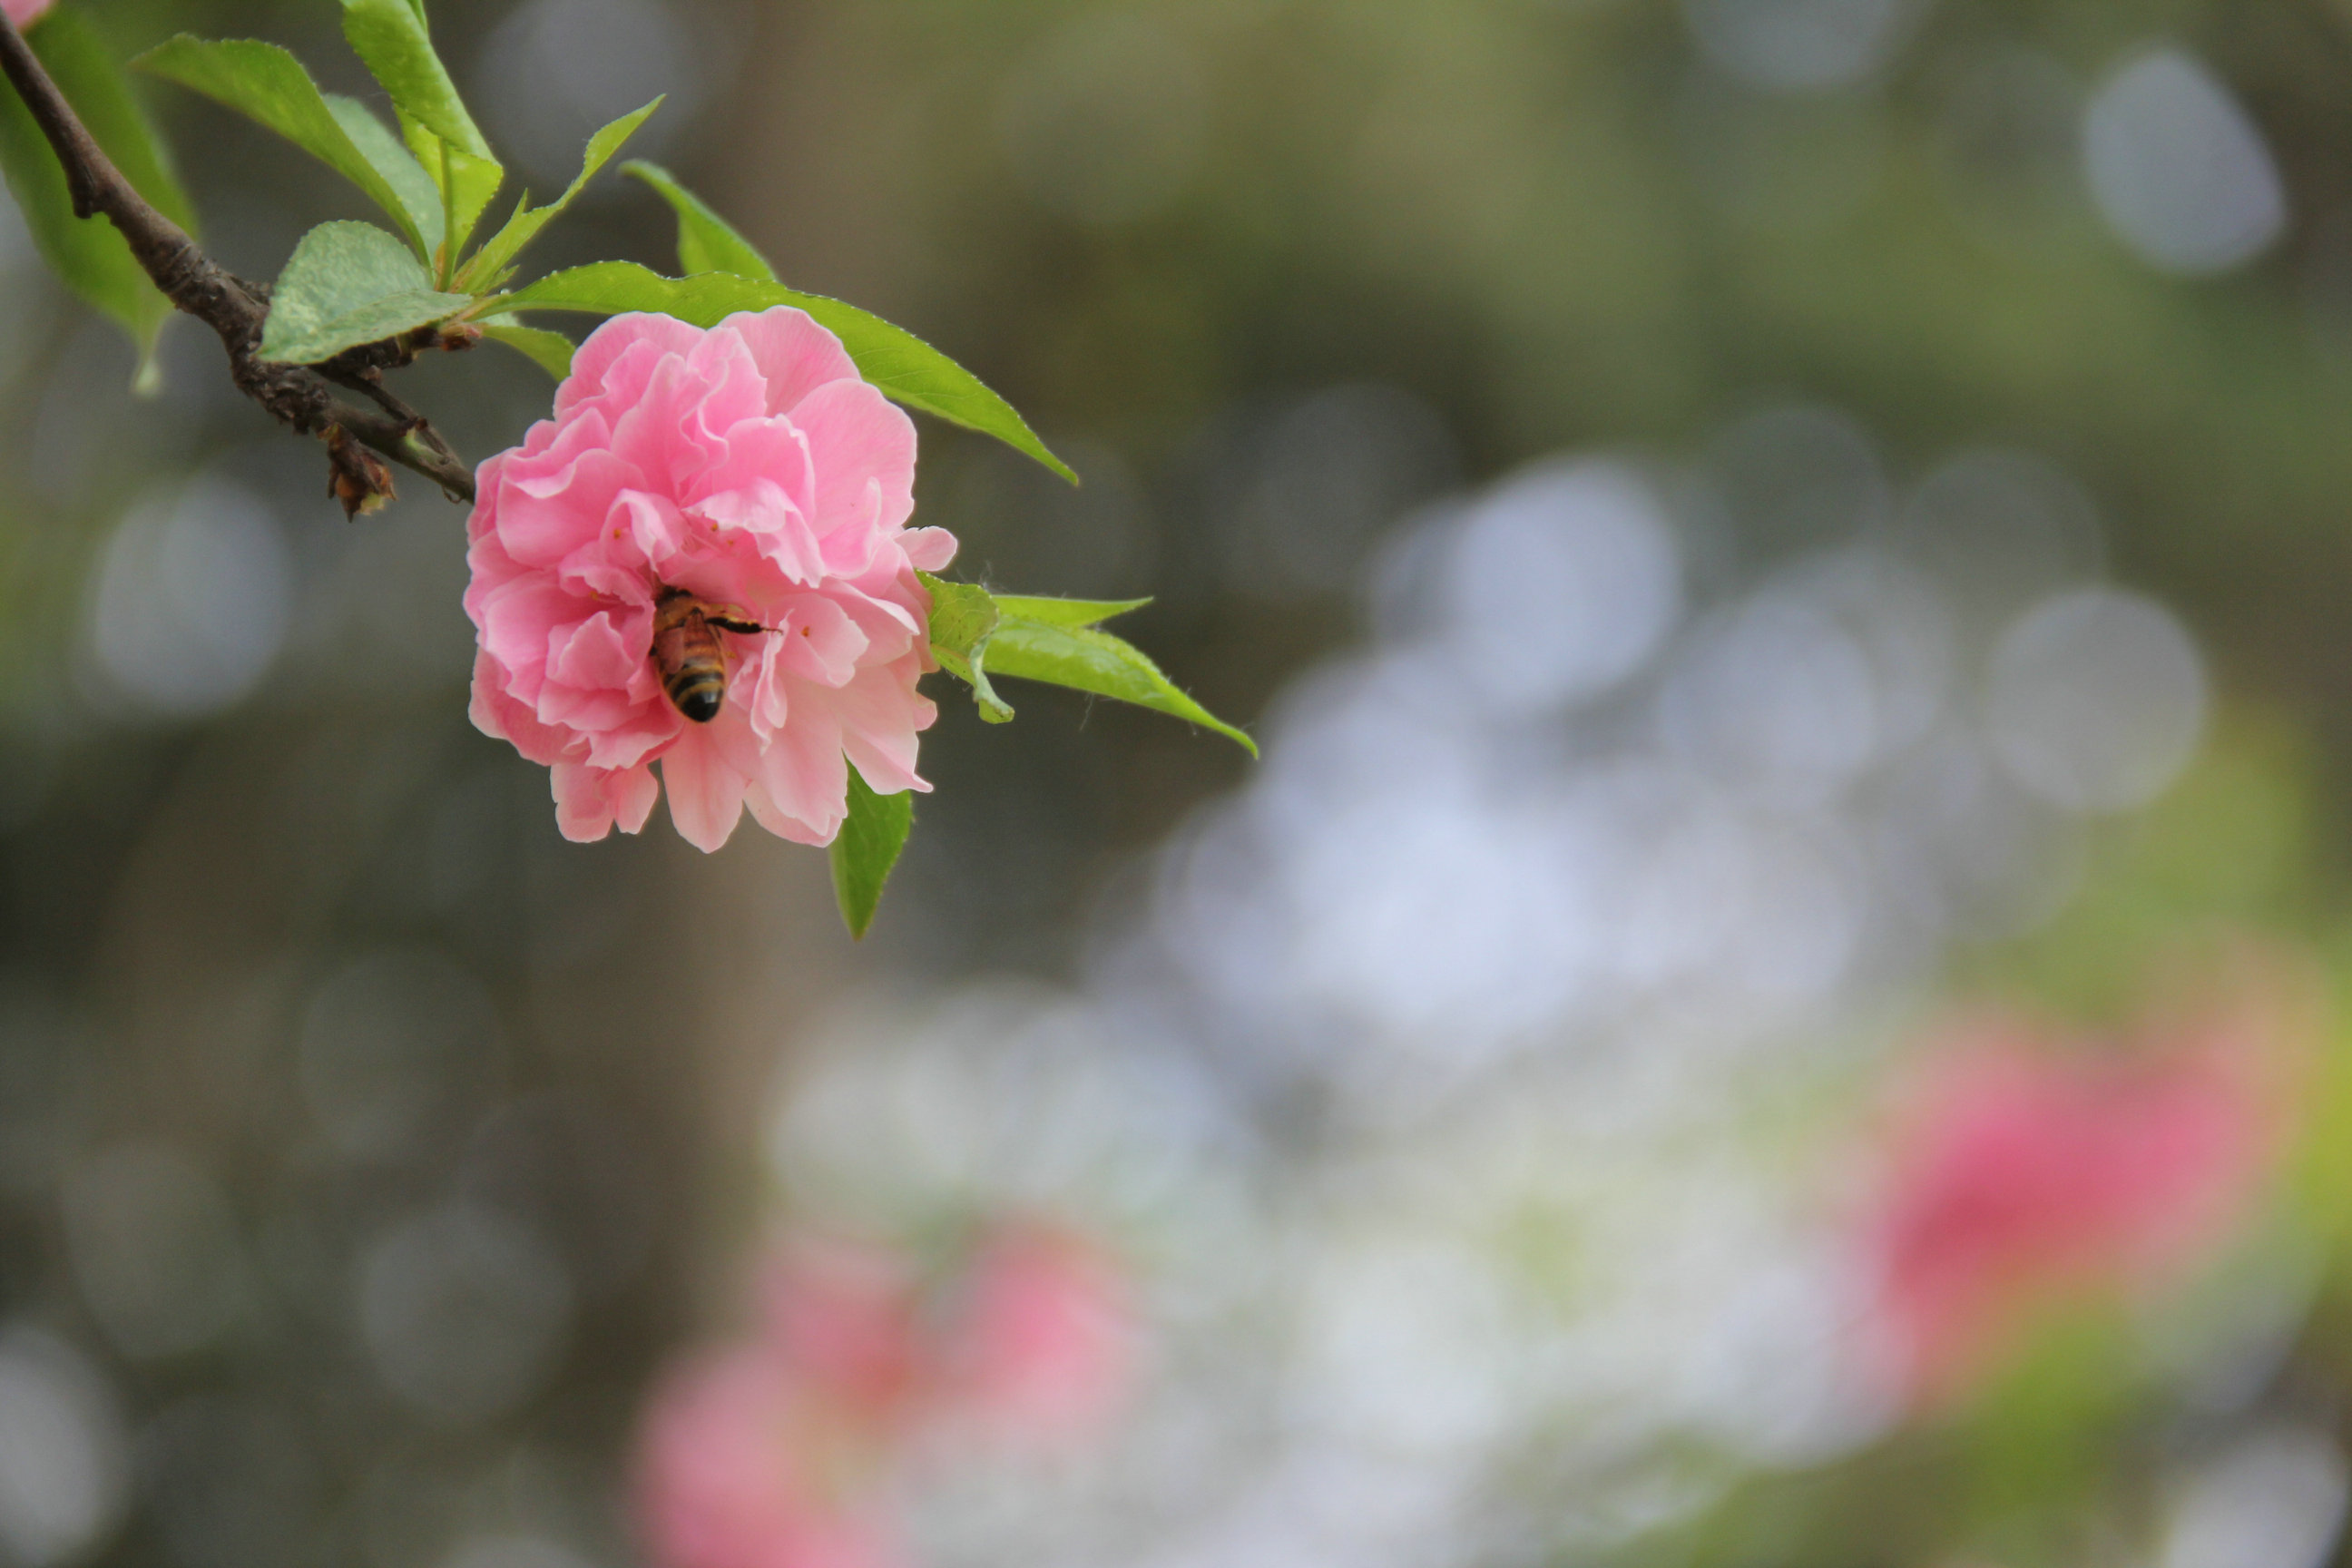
(370, 385)
(297, 395)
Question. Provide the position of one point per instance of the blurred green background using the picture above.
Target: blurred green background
(365, 1148)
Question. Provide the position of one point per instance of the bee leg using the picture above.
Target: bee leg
(729, 623)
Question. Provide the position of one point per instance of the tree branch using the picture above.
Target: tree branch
(297, 395)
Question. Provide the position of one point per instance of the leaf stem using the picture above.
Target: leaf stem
(296, 395)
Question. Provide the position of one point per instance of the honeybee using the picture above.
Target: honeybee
(686, 652)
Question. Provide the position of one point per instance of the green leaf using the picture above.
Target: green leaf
(900, 363)
(390, 38)
(1065, 612)
(420, 199)
(963, 618)
(348, 284)
(266, 84)
(962, 615)
(89, 253)
(552, 351)
(520, 230)
(467, 185)
(610, 288)
(1096, 661)
(705, 242)
(86, 72)
(975, 633)
(866, 849)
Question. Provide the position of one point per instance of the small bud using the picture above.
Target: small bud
(356, 476)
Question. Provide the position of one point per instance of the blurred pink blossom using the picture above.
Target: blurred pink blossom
(742, 1465)
(841, 1314)
(779, 1452)
(1041, 1349)
(2033, 1171)
(23, 11)
(750, 467)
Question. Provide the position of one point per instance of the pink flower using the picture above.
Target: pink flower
(843, 1313)
(749, 467)
(779, 1452)
(24, 12)
(1040, 1347)
(742, 1466)
(2030, 1176)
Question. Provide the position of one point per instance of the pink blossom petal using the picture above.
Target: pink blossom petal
(890, 628)
(634, 790)
(617, 360)
(519, 620)
(804, 782)
(795, 354)
(651, 522)
(736, 391)
(774, 450)
(706, 774)
(861, 439)
(760, 685)
(590, 802)
(819, 640)
(596, 652)
(539, 517)
(641, 738)
(662, 433)
(588, 711)
(592, 573)
(489, 475)
(880, 714)
(928, 549)
(774, 525)
(498, 714)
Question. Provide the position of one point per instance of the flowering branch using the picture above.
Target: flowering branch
(791, 693)
(300, 398)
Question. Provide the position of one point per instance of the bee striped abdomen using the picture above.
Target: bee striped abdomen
(688, 656)
(699, 685)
